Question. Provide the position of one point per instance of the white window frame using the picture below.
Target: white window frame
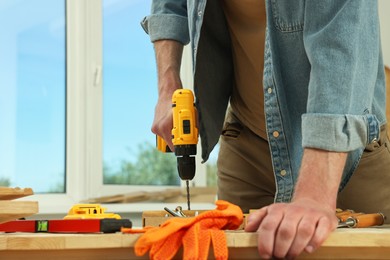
(84, 112)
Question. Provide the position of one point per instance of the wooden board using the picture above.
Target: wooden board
(369, 243)
(7, 193)
(198, 194)
(11, 210)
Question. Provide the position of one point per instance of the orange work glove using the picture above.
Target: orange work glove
(195, 234)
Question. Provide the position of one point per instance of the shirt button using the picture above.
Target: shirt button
(283, 172)
(275, 134)
(269, 90)
(200, 13)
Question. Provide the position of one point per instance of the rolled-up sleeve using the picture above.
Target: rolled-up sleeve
(340, 133)
(168, 20)
(342, 43)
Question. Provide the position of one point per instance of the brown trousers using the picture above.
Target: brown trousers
(245, 174)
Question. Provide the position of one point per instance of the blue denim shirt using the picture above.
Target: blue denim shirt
(323, 76)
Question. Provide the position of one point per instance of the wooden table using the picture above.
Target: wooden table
(370, 243)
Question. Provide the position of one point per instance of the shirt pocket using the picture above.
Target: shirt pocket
(288, 15)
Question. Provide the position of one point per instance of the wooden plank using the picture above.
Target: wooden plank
(74, 254)
(7, 193)
(11, 210)
(172, 195)
(137, 196)
(368, 243)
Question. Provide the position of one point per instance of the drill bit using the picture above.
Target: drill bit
(188, 194)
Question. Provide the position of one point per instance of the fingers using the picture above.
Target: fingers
(323, 229)
(163, 122)
(306, 229)
(287, 233)
(254, 219)
(268, 231)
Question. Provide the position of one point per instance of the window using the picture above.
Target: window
(32, 95)
(67, 117)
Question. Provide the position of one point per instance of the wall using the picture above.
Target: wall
(384, 8)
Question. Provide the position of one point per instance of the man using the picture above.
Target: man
(296, 138)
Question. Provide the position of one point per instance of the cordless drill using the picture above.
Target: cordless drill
(184, 135)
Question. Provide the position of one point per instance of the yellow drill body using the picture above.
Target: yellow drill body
(184, 135)
(184, 131)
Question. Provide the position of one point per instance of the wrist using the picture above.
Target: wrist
(167, 85)
(319, 176)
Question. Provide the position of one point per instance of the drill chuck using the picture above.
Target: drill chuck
(186, 167)
(186, 161)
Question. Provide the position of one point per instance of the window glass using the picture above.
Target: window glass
(32, 94)
(129, 95)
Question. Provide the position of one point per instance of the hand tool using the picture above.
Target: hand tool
(106, 225)
(179, 210)
(343, 215)
(360, 220)
(173, 213)
(184, 135)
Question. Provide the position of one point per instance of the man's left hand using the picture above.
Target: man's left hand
(285, 230)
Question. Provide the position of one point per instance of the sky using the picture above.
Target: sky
(130, 80)
(32, 104)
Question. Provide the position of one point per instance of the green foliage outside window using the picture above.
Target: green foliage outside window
(4, 182)
(151, 167)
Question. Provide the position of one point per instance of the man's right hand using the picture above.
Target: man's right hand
(168, 57)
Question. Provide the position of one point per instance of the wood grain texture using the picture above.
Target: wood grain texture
(368, 243)
(171, 195)
(11, 210)
(7, 193)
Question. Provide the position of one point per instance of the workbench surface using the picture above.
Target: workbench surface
(368, 243)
